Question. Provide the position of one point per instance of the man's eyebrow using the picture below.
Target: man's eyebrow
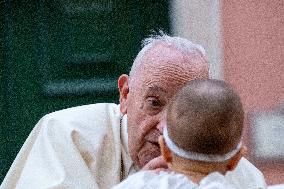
(155, 90)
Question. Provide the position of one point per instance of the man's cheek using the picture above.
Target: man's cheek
(148, 152)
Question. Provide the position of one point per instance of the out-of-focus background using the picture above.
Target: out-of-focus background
(58, 54)
(244, 40)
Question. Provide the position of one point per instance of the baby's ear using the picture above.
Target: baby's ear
(235, 160)
(165, 151)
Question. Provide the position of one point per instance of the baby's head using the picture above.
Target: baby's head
(204, 126)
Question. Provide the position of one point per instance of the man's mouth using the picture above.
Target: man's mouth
(154, 143)
(151, 148)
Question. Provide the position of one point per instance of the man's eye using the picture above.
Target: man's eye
(153, 102)
(153, 105)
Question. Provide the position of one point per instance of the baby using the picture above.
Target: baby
(201, 139)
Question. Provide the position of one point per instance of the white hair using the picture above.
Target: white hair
(183, 45)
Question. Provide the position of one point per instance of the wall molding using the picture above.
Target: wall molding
(79, 87)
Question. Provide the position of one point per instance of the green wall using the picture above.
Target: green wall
(59, 54)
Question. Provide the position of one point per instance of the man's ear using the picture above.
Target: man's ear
(165, 151)
(233, 162)
(123, 87)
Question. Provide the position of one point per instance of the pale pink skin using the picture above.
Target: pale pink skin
(163, 72)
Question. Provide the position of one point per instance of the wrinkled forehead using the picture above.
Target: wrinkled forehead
(166, 67)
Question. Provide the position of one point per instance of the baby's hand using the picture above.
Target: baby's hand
(157, 164)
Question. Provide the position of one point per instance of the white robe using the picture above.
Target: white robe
(171, 180)
(86, 147)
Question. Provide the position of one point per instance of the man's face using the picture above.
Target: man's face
(163, 72)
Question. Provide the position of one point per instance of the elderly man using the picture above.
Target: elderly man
(97, 146)
(201, 139)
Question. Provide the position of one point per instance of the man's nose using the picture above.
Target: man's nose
(161, 125)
